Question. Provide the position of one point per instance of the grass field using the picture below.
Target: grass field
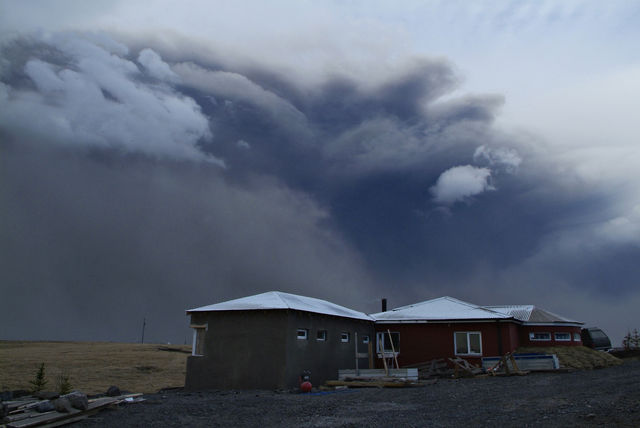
(93, 366)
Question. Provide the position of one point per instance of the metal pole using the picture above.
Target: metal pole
(144, 323)
(356, 344)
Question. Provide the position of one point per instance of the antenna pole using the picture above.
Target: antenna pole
(144, 323)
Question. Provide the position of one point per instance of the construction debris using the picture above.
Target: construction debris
(507, 365)
(436, 368)
(30, 411)
(462, 367)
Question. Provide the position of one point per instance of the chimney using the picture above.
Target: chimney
(384, 304)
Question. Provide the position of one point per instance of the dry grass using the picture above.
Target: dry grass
(576, 357)
(93, 366)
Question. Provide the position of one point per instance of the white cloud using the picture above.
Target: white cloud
(460, 183)
(155, 66)
(506, 157)
(96, 99)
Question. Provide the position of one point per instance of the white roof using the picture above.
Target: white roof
(442, 308)
(280, 300)
(532, 314)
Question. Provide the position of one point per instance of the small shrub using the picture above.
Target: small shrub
(39, 382)
(63, 383)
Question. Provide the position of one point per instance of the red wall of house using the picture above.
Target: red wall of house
(511, 337)
(423, 342)
(526, 329)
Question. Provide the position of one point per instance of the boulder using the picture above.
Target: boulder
(78, 400)
(113, 391)
(62, 405)
(6, 396)
(45, 406)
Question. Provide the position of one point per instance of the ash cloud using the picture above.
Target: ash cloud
(117, 207)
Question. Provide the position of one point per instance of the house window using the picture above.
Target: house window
(562, 337)
(303, 333)
(576, 337)
(535, 336)
(344, 337)
(199, 333)
(468, 342)
(321, 335)
(385, 341)
(365, 339)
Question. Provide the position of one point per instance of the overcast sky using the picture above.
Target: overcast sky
(157, 156)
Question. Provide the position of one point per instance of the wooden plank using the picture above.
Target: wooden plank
(371, 384)
(462, 364)
(49, 418)
(393, 349)
(356, 351)
(25, 415)
(71, 420)
(384, 360)
(42, 419)
(410, 373)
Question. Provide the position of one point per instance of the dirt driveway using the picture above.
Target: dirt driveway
(604, 397)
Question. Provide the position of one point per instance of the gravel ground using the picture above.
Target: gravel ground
(602, 397)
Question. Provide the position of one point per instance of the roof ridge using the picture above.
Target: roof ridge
(279, 295)
(412, 305)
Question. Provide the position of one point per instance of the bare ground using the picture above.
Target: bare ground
(603, 397)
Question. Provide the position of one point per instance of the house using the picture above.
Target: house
(447, 327)
(444, 327)
(268, 340)
(539, 327)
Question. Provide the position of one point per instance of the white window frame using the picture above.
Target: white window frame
(533, 339)
(304, 335)
(198, 328)
(381, 339)
(468, 333)
(321, 336)
(577, 337)
(345, 337)
(555, 336)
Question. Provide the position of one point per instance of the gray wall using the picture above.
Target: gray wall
(324, 359)
(260, 349)
(243, 350)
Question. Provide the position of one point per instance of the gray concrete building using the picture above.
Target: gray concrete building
(268, 340)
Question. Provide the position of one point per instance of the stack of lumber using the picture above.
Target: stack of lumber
(376, 378)
(383, 382)
(22, 412)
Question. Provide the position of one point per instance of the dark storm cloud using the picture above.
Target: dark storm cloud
(117, 206)
(100, 241)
